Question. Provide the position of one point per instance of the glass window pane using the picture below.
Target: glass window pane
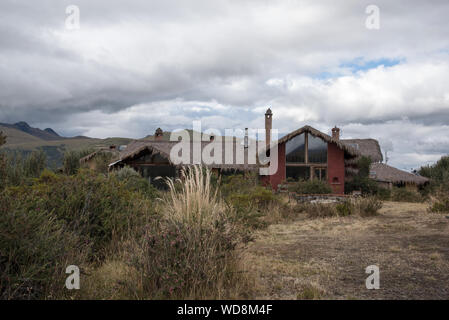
(298, 173)
(317, 150)
(295, 149)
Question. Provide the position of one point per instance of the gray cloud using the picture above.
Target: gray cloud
(154, 63)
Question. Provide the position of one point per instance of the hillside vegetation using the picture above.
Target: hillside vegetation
(23, 139)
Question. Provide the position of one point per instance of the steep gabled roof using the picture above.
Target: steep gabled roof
(386, 173)
(352, 152)
(367, 147)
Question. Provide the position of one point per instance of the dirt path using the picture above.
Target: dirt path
(326, 258)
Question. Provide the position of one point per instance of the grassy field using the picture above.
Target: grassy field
(326, 258)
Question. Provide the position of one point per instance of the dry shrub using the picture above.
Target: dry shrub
(189, 251)
(364, 207)
(439, 202)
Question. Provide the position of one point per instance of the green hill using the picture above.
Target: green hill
(48, 141)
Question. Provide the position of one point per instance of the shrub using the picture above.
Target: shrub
(189, 251)
(134, 182)
(440, 202)
(319, 210)
(405, 195)
(71, 160)
(19, 168)
(310, 187)
(383, 194)
(367, 207)
(35, 250)
(250, 201)
(98, 209)
(363, 207)
(364, 184)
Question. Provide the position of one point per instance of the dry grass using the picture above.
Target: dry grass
(326, 258)
(194, 201)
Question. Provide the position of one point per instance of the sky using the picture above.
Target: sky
(132, 66)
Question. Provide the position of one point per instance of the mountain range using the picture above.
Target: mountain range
(21, 137)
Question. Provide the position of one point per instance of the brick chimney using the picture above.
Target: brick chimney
(159, 134)
(268, 126)
(336, 133)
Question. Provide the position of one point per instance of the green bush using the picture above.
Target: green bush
(19, 168)
(383, 194)
(71, 160)
(134, 182)
(364, 184)
(344, 208)
(98, 209)
(310, 187)
(405, 195)
(35, 250)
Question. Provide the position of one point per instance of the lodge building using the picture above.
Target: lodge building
(303, 154)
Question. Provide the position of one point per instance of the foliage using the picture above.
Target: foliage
(438, 173)
(250, 201)
(364, 184)
(440, 201)
(405, 195)
(189, 251)
(364, 207)
(310, 187)
(71, 160)
(98, 209)
(134, 182)
(35, 247)
(18, 169)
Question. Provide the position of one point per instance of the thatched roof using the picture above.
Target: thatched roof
(385, 173)
(102, 150)
(349, 151)
(367, 147)
(139, 147)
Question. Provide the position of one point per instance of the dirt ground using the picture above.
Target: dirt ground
(326, 258)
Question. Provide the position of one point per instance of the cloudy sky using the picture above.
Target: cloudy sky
(136, 65)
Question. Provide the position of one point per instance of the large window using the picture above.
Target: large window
(317, 150)
(295, 149)
(306, 157)
(298, 172)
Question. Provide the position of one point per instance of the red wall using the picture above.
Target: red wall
(336, 168)
(277, 178)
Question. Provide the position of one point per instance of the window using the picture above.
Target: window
(317, 150)
(295, 149)
(320, 174)
(298, 173)
(306, 157)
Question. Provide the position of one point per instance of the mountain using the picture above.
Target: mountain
(47, 134)
(21, 137)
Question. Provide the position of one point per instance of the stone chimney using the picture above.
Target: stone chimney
(245, 140)
(268, 126)
(336, 133)
(159, 134)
